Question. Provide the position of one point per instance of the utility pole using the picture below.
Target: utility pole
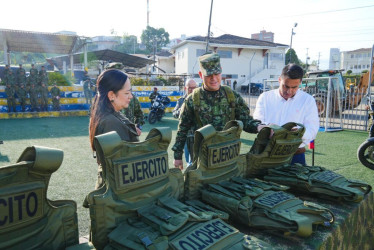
(147, 13)
(210, 18)
(292, 34)
(319, 56)
(307, 58)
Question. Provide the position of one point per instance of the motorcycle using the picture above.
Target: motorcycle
(365, 152)
(157, 110)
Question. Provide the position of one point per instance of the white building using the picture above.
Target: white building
(334, 61)
(355, 60)
(242, 59)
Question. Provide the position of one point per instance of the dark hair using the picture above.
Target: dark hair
(109, 80)
(292, 71)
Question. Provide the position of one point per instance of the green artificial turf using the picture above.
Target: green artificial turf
(77, 175)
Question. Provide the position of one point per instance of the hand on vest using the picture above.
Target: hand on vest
(139, 131)
(261, 126)
(178, 164)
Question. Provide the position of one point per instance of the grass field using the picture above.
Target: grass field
(77, 174)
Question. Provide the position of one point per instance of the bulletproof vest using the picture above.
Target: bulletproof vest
(275, 151)
(135, 174)
(271, 210)
(317, 180)
(28, 220)
(212, 234)
(197, 102)
(215, 157)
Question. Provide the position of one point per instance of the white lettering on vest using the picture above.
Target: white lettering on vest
(205, 235)
(20, 208)
(223, 155)
(138, 171)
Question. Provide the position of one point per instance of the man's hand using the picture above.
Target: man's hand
(261, 126)
(178, 164)
(138, 130)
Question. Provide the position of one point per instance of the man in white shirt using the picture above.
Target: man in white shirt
(290, 104)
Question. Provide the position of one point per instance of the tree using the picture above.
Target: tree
(151, 36)
(291, 57)
(349, 72)
(129, 45)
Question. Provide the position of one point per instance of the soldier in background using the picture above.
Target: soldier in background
(22, 96)
(55, 92)
(19, 70)
(10, 79)
(21, 78)
(43, 90)
(153, 95)
(33, 92)
(87, 88)
(33, 77)
(212, 104)
(11, 100)
(6, 70)
(43, 77)
(135, 114)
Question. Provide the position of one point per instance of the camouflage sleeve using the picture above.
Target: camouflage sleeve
(186, 121)
(138, 113)
(242, 113)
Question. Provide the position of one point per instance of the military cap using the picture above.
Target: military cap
(210, 64)
(114, 65)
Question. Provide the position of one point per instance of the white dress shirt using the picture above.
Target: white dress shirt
(271, 107)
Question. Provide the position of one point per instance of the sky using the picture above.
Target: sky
(321, 24)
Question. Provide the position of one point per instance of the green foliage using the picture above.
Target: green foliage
(175, 81)
(137, 81)
(60, 79)
(291, 57)
(364, 71)
(129, 45)
(349, 72)
(151, 36)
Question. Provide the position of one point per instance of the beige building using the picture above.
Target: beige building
(355, 60)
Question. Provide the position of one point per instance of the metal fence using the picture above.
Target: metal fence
(338, 108)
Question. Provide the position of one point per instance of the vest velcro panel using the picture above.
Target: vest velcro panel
(278, 150)
(28, 220)
(215, 157)
(319, 181)
(135, 175)
(272, 210)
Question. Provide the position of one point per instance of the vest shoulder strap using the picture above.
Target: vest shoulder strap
(46, 160)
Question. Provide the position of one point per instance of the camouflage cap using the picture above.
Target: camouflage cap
(210, 64)
(114, 65)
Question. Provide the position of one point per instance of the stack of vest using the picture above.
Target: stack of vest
(215, 178)
(28, 220)
(269, 159)
(138, 207)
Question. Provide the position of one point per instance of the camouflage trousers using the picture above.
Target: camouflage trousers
(11, 104)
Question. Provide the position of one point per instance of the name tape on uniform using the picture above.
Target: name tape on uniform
(205, 235)
(283, 149)
(273, 199)
(326, 177)
(223, 155)
(135, 172)
(20, 208)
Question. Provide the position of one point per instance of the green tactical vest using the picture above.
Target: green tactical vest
(271, 210)
(135, 174)
(28, 220)
(215, 157)
(196, 94)
(319, 181)
(269, 153)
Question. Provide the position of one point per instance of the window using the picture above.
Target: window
(225, 53)
(355, 66)
(359, 66)
(352, 56)
(276, 56)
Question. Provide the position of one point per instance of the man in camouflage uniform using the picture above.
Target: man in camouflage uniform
(33, 77)
(22, 96)
(43, 90)
(21, 78)
(19, 70)
(33, 92)
(87, 88)
(215, 108)
(10, 79)
(43, 77)
(134, 113)
(6, 70)
(11, 100)
(55, 92)
(153, 95)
